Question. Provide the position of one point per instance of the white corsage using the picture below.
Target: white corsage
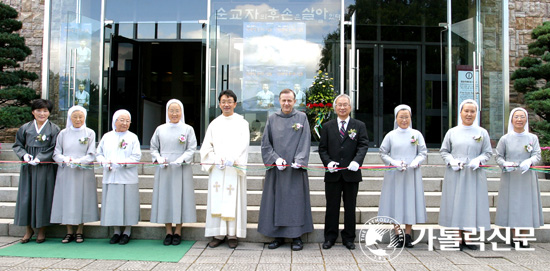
(297, 126)
(529, 147)
(414, 141)
(352, 133)
(41, 138)
(83, 140)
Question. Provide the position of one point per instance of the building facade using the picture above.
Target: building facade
(138, 54)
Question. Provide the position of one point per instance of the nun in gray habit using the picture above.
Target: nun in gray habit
(402, 196)
(172, 147)
(464, 199)
(519, 202)
(75, 195)
(116, 152)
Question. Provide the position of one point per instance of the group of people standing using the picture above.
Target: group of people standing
(57, 182)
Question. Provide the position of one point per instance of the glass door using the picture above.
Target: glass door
(72, 60)
(123, 84)
(389, 75)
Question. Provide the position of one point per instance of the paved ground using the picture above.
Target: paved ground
(256, 256)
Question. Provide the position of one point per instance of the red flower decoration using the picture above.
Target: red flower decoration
(315, 105)
(329, 105)
(321, 105)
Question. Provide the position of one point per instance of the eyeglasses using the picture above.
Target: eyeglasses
(123, 121)
(173, 112)
(519, 117)
(226, 102)
(342, 105)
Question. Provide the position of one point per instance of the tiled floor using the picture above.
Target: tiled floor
(256, 256)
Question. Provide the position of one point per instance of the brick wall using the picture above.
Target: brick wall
(31, 14)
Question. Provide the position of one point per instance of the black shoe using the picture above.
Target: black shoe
(124, 239)
(115, 239)
(524, 246)
(470, 247)
(398, 241)
(297, 244)
(215, 242)
(176, 239)
(276, 243)
(328, 244)
(408, 241)
(349, 245)
(168, 240)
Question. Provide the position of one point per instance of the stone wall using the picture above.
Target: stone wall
(31, 14)
(524, 16)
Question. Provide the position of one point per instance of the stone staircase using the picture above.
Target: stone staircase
(367, 200)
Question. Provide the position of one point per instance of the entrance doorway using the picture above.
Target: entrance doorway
(144, 75)
(389, 75)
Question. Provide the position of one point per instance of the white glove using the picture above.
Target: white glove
(525, 165)
(280, 162)
(296, 166)
(219, 163)
(228, 163)
(115, 165)
(399, 164)
(35, 162)
(332, 166)
(74, 163)
(456, 165)
(508, 166)
(474, 163)
(415, 163)
(179, 161)
(66, 161)
(27, 157)
(353, 166)
(161, 160)
(105, 164)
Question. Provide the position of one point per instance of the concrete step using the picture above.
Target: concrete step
(369, 183)
(195, 231)
(317, 198)
(362, 214)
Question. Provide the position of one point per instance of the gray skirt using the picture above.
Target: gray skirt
(75, 197)
(120, 205)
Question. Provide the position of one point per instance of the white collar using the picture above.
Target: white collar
(36, 126)
(346, 120)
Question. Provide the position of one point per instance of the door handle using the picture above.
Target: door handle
(357, 81)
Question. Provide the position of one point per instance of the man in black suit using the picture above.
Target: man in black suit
(344, 144)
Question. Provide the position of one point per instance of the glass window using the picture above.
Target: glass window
(126, 29)
(146, 30)
(167, 30)
(191, 30)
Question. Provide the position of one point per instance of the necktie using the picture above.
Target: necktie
(343, 129)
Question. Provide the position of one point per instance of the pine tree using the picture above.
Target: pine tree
(533, 79)
(15, 96)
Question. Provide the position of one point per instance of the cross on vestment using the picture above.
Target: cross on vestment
(230, 188)
(216, 186)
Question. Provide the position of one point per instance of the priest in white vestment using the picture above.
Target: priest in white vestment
(224, 154)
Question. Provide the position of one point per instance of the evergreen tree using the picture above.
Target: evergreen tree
(15, 96)
(533, 79)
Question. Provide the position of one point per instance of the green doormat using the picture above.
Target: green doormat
(100, 249)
